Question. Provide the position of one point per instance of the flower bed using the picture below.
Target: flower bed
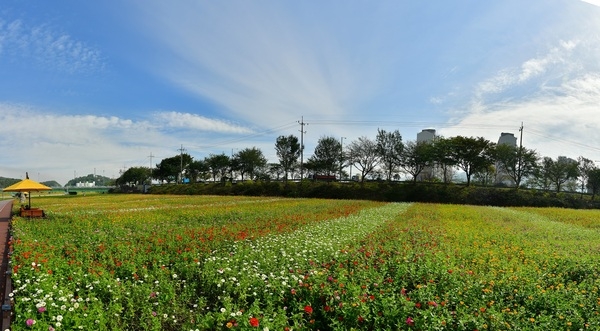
(205, 263)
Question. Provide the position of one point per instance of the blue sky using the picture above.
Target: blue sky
(101, 85)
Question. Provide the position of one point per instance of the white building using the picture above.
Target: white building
(426, 135)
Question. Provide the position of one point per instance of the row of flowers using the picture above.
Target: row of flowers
(206, 263)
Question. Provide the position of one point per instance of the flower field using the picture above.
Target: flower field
(143, 262)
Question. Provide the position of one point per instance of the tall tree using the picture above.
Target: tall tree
(559, 171)
(516, 162)
(364, 156)
(218, 165)
(249, 161)
(134, 176)
(198, 169)
(326, 158)
(416, 156)
(442, 157)
(584, 166)
(173, 168)
(389, 150)
(594, 181)
(288, 152)
(471, 154)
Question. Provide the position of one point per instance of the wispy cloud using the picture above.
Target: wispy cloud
(198, 122)
(57, 144)
(48, 47)
(529, 70)
(561, 121)
(269, 66)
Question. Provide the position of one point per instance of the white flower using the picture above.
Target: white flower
(223, 310)
(59, 318)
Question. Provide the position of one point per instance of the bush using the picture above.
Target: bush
(387, 191)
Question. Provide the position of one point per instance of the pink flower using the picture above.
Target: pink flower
(410, 321)
(41, 309)
(30, 322)
(50, 328)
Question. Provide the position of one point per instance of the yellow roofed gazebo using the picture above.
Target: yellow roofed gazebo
(27, 185)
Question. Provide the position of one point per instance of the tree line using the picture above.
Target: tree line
(387, 157)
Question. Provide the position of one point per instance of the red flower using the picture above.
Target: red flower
(308, 309)
(410, 321)
(254, 322)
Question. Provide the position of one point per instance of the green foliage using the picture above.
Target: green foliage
(389, 191)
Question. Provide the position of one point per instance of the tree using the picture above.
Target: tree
(416, 156)
(516, 162)
(218, 165)
(288, 152)
(594, 181)
(248, 161)
(471, 154)
(584, 166)
(170, 169)
(364, 156)
(326, 158)
(389, 150)
(198, 169)
(559, 171)
(134, 176)
(442, 157)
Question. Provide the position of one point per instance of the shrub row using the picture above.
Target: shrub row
(390, 192)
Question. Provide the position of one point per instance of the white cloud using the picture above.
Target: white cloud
(36, 140)
(48, 48)
(197, 122)
(561, 121)
(559, 56)
(593, 2)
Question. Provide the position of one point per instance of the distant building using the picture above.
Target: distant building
(85, 184)
(502, 177)
(426, 135)
(507, 139)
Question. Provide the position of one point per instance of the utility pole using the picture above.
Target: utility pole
(150, 156)
(302, 132)
(181, 150)
(520, 156)
(341, 156)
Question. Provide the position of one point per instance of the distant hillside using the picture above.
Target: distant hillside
(52, 183)
(6, 182)
(99, 180)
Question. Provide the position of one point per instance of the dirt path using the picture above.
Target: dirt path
(5, 280)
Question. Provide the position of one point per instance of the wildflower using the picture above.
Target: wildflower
(308, 309)
(30, 322)
(229, 325)
(50, 328)
(254, 322)
(410, 321)
(41, 309)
